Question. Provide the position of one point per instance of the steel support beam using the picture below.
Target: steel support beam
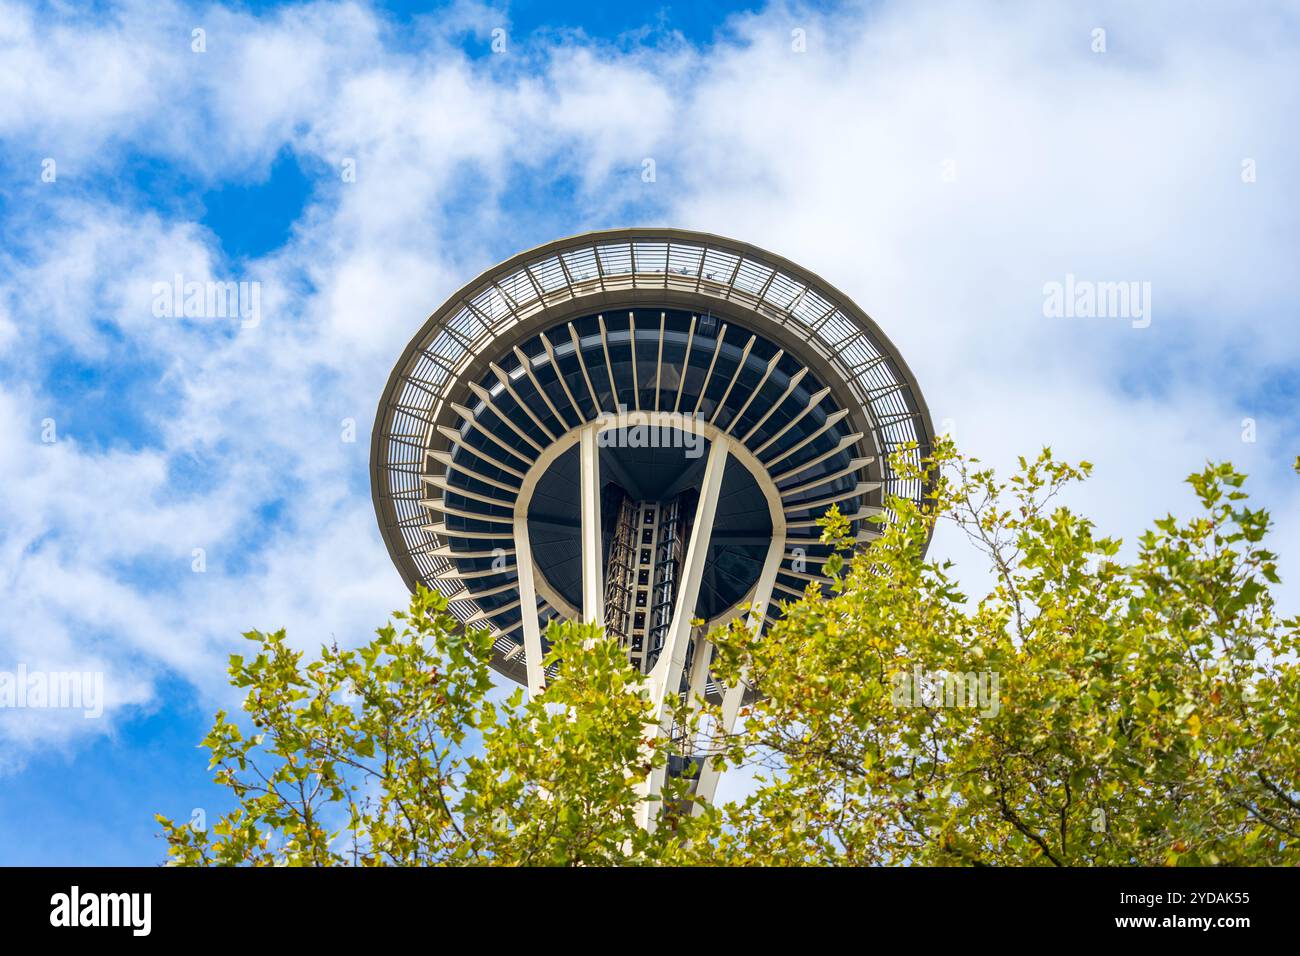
(528, 607)
(667, 673)
(593, 580)
(666, 677)
(707, 785)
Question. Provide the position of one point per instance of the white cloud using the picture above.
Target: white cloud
(1121, 166)
(1117, 166)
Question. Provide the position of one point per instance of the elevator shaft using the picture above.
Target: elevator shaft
(643, 572)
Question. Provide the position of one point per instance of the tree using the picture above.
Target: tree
(1140, 713)
(397, 754)
(1085, 711)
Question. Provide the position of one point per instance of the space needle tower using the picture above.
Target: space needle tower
(638, 428)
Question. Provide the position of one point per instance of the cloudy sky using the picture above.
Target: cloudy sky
(169, 482)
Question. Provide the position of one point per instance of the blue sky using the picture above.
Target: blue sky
(941, 163)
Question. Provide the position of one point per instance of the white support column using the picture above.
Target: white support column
(707, 785)
(666, 677)
(528, 607)
(698, 680)
(667, 674)
(593, 581)
(700, 668)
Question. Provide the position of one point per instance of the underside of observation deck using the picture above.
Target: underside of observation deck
(639, 429)
(725, 337)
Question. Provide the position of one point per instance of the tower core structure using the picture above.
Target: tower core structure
(639, 428)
